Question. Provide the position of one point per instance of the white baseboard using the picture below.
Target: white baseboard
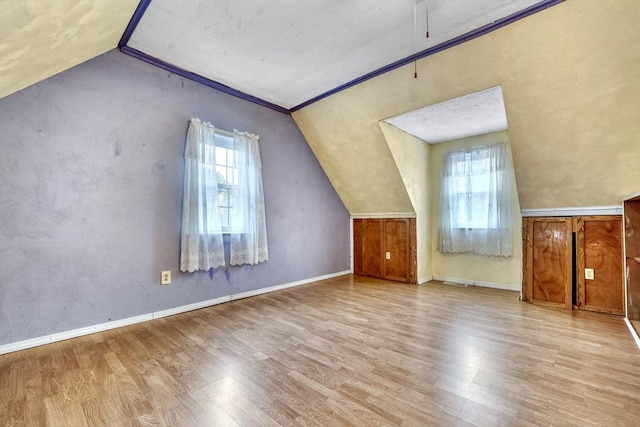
(424, 280)
(287, 285)
(74, 333)
(578, 211)
(504, 286)
(60, 336)
(634, 333)
(359, 215)
(190, 307)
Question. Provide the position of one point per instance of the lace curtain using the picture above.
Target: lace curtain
(475, 202)
(202, 245)
(250, 245)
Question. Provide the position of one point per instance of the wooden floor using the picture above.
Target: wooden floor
(346, 351)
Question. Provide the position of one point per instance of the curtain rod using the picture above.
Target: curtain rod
(225, 132)
(217, 130)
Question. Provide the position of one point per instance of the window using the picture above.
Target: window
(222, 194)
(226, 168)
(475, 202)
(221, 159)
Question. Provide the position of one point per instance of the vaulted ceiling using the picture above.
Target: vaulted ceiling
(569, 76)
(284, 52)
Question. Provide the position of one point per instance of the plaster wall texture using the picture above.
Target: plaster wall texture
(411, 155)
(91, 176)
(477, 268)
(62, 34)
(352, 150)
(572, 98)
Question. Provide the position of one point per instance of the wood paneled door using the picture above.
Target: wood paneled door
(368, 247)
(600, 276)
(554, 262)
(385, 248)
(548, 261)
(397, 249)
(358, 246)
(632, 255)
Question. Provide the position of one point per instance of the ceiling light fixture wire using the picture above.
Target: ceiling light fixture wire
(426, 4)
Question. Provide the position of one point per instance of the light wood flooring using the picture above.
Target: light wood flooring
(345, 351)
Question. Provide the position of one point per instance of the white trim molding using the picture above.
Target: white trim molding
(423, 280)
(577, 211)
(631, 196)
(634, 333)
(467, 282)
(384, 215)
(74, 333)
(287, 285)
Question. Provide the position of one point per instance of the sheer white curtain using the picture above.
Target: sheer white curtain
(475, 202)
(202, 247)
(250, 245)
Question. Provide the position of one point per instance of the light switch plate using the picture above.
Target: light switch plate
(388, 255)
(589, 274)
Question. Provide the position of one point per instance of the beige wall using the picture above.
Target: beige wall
(411, 156)
(571, 81)
(61, 34)
(350, 146)
(484, 270)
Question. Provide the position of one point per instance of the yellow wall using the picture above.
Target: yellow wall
(41, 38)
(353, 152)
(486, 270)
(411, 156)
(571, 81)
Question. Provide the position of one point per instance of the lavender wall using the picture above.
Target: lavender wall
(91, 165)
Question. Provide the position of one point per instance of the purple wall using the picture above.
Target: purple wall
(91, 164)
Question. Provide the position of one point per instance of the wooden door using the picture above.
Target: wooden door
(373, 248)
(397, 249)
(632, 254)
(599, 249)
(548, 275)
(358, 246)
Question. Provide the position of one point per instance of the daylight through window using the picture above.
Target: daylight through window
(222, 194)
(475, 202)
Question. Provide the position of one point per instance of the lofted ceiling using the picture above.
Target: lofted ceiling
(283, 52)
(287, 52)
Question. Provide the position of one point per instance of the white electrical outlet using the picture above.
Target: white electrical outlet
(165, 277)
(589, 274)
(388, 255)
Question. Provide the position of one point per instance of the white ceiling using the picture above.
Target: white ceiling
(287, 52)
(475, 114)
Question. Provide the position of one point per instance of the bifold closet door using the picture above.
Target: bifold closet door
(385, 248)
(548, 262)
(632, 254)
(600, 273)
(373, 248)
(397, 249)
(358, 246)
